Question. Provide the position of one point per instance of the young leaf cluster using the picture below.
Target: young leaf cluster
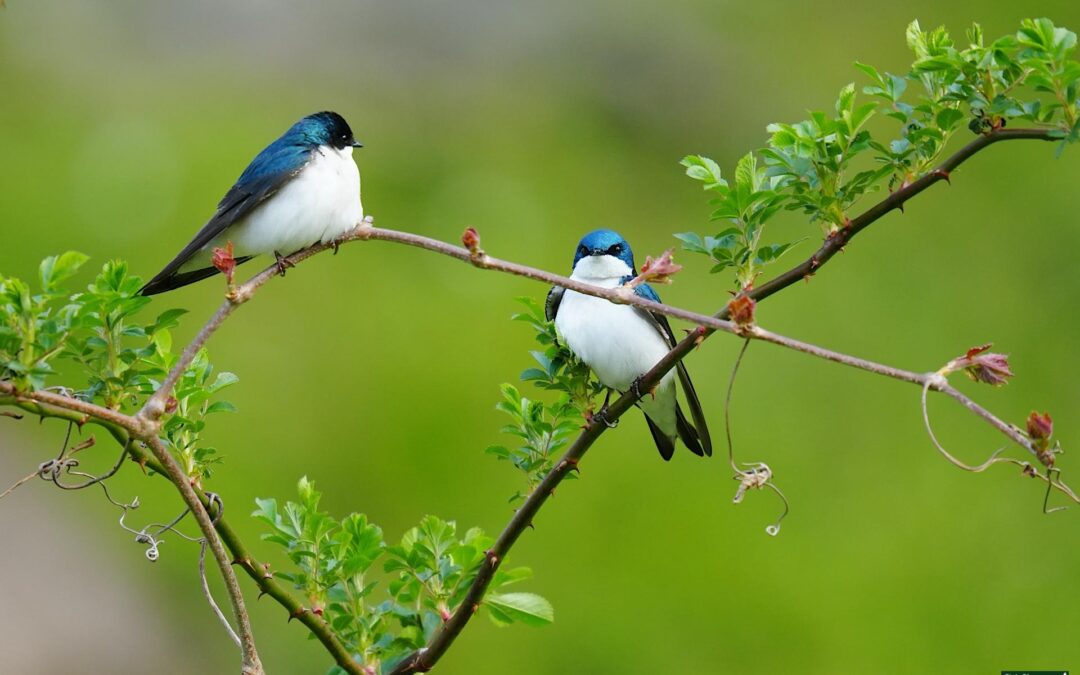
(823, 165)
(123, 359)
(340, 564)
(543, 429)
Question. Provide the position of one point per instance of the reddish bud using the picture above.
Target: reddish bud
(1040, 427)
(699, 335)
(659, 270)
(170, 404)
(470, 239)
(983, 366)
(223, 260)
(741, 309)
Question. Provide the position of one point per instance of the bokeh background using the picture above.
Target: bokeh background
(376, 372)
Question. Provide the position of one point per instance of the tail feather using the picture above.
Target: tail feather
(688, 433)
(664, 443)
(169, 280)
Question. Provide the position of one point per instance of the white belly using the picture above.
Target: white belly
(619, 345)
(318, 205)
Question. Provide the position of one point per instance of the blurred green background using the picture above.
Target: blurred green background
(376, 372)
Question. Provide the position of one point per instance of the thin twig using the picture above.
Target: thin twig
(202, 571)
(210, 596)
(146, 430)
(17, 483)
(252, 664)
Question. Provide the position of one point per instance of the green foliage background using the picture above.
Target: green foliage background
(376, 372)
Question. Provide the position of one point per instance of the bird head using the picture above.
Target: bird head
(325, 128)
(603, 254)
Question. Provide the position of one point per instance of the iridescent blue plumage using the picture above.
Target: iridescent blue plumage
(291, 151)
(268, 174)
(605, 242)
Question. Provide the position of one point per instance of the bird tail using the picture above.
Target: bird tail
(688, 433)
(170, 279)
(664, 443)
(683, 430)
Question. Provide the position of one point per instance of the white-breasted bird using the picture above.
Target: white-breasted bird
(620, 343)
(301, 189)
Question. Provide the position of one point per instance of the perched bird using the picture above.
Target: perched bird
(620, 343)
(302, 189)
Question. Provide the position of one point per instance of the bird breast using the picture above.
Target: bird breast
(319, 204)
(617, 342)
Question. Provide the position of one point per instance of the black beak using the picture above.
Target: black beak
(356, 144)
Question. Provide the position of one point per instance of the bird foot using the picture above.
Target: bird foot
(283, 263)
(601, 415)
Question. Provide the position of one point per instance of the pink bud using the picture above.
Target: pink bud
(660, 270)
(223, 260)
(983, 366)
(1040, 427)
(470, 239)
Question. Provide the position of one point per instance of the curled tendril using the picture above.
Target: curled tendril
(151, 535)
(1052, 477)
(757, 475)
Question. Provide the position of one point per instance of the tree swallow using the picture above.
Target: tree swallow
(620, 343)
(302, 189)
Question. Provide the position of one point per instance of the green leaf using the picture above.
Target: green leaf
(56, 269)
(703, 169)
(220, 406)
(692, 242)
(528, 608)
(223, 380)
(948, 117)
(846, 100)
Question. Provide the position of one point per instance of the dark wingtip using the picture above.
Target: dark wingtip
(665, 445)
(151, 288)
(689, 435)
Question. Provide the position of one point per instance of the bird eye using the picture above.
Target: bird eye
(582, 250)
(615, 249)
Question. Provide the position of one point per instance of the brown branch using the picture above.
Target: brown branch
(424, 659)
(155, 405)
(622, 295)
(140, 429)
(252, 664)
(263, 578)
(896, 200)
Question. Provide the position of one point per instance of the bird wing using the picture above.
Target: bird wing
(554, 299)
(268, 172)
(695, 437)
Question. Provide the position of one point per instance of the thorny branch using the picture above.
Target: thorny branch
(144, 425)
(424, 659)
